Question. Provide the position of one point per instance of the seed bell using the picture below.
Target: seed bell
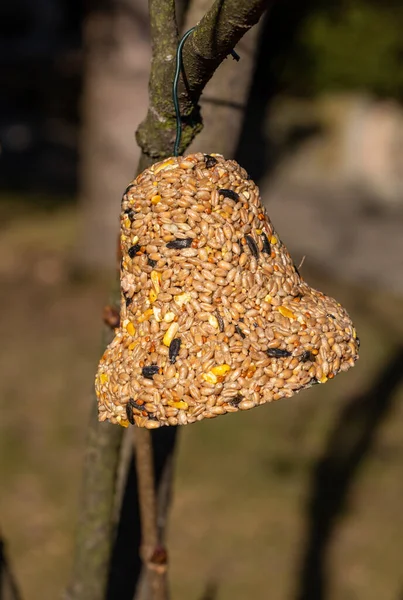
(215, 317)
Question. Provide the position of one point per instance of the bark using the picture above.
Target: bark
(215, 36)
(225, 96)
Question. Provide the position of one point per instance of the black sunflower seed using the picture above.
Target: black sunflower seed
(129, 187)
(210, 161)
(129, 413)
(266, 244)
(128, 301)
(330, 315)
(149, 371)
(313, 381)
(179, 243)
(229, 194)
(130, 213)
(220, 321)
(277, 353)
(252, 245)
(151, 262)
(236, 400)
(306, 356)
(133, 250)
(239, 331)
(174, 348)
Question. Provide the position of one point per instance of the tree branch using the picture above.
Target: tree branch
(214, 38)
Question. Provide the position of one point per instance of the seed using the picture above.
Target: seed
(129, 413)
(174, 349)
(266, 244)
(239, 331)
(236, 400)
(170, 334)
(133, 250)
(180, 243)
(307, 356)
(229, 194)
(220, 321)
(277, 353)
(149, 371)
(210, 161)
(252, 245)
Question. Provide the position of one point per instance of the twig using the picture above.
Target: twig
(214, 38)
(152, 552)
(8, 585)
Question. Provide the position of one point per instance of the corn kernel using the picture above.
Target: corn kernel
(122, 422)
(323, 379)
(286, 312)
(167, 163)
(181, 404)
(259, 231)
(157, 314)
(268, 298)
(169, 317)
(132, 345)
(127, 223)
(273, 239)
(221, 369)
(153, 296)
(130, 328)
(103, 378)
(182, 299)
(156, 279)
(155, 199)
(146, 314)
(210, 377)
(170, 334)
(213, 321)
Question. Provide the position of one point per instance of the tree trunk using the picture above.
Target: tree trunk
(117, 63)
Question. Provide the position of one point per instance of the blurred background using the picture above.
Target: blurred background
(300, 500)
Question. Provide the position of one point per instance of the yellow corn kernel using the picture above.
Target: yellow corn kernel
(169, 317)
(213, 321)
(146, 314)
(286, 312)
(130, 328)
(153, 296)
(135, 239)
(155, 199)
(268, 298)
(127, 223)
(210, 377)
(323, 379)
(181, 404)
(156, 280)
(157, 314)
(170, 334)
(123, 237)
(182, 299)
(221, 369)
(164, 165)
(103, 378)
(122, 422)
(259, 231)
(132, 345)
(354, 334)
(273, 239)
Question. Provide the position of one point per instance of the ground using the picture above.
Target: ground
(271, 504)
